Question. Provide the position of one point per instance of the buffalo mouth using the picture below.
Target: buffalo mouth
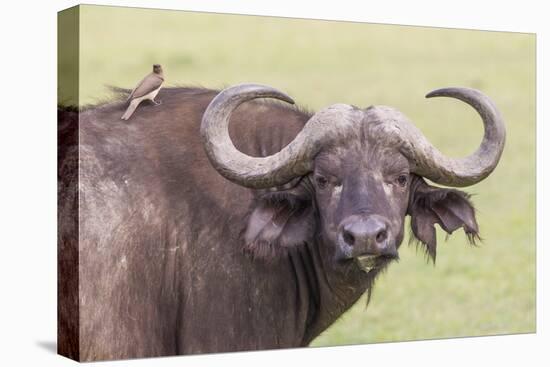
(367, 263)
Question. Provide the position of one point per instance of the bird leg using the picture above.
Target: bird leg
(157, 103)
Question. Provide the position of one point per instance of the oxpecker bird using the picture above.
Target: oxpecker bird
(147, 89)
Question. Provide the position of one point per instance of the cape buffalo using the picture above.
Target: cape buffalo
(213, 223)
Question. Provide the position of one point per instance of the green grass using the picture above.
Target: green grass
(482, 290)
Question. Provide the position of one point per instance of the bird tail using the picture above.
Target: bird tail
(131, 108)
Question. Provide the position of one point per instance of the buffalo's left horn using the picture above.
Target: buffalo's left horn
(431, 163)
(292, 161)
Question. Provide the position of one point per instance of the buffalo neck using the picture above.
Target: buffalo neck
(329, 287)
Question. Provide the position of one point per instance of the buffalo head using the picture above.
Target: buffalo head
(351, 176)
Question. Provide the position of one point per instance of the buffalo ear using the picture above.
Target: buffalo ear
(278, 222)
(449, 208)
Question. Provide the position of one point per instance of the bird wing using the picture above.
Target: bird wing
(136, 87)
(146, 86)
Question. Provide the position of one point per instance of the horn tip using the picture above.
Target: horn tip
(289, 100)
(454, 92)
(437, 93)
(284, 97)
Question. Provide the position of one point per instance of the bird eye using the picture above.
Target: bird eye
(321, 182)
(402, 180)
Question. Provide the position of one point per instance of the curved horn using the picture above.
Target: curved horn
(432, 164)
(262, 172)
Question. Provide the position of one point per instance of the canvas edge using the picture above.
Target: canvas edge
(68, 312)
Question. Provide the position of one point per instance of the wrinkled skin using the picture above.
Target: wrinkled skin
(175, 259)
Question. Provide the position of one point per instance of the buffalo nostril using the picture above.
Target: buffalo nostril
(381, 236)
(348, 238)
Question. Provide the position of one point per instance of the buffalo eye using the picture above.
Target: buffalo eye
(321, 182)
(402, 180)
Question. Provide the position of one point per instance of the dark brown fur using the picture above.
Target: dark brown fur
(173, 258)
(68, 220)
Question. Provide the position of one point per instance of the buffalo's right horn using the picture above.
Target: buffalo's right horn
(293, 160)
(431, 163)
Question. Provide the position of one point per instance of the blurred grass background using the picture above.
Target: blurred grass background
(483, 290)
